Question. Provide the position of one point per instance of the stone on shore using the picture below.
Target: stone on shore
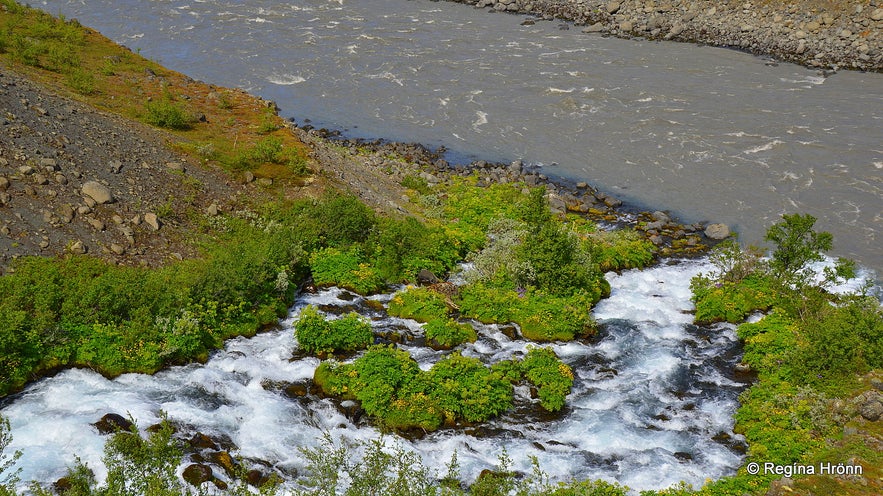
(717, 231)
(98, 192)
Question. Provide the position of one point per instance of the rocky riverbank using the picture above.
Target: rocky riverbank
(816, 33)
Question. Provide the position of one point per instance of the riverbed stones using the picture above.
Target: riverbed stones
(98, 192)
(717, 231)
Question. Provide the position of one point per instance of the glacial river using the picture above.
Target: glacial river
(707, 133)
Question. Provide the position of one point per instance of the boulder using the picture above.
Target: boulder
(4, 183)
(426, 277)
(872, 409)
(660, 216)
(197, 473)
(98, 192)
(717, 231)
(112, 423)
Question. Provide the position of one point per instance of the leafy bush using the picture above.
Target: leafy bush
(420, 304)
(464, 388)
(731, 301)
(416, 183)
(797, 245)
(81, 81)
(393, 389)
(541, 317)
(447, 333)
(400, 248)
(838, 342)
(317, 335)
(552, 377)
(166, 114)
(347, 269)
(620, 249)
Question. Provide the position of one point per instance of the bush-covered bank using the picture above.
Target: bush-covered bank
(393, 390)
(145, 464)
(816, 34)
(818, 356)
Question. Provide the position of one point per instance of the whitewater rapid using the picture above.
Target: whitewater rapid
(652, 403)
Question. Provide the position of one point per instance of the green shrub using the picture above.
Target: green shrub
(400, 248)
(166, 114)
(620, 249)
(552, 377)
(81, 81)
(448, 333)
(400, 396)
(540, 316)
(730, 301)
(487, 304)
(464, 388)
(797, 245)
(347, 269)
(420, 304)
(416, 183)
(317, 335)
(769, 343)
(543, 317)
(839, 342)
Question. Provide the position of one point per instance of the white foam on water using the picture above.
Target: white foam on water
(765, 147)
(286, 79)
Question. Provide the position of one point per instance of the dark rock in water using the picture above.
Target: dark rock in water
(510, 331)
(256, 478)
(112, 423)
(683, 456)
(722, 437)
(201, 441)
(197, 473)
(427, 277)
(223, 460)
(296, 390)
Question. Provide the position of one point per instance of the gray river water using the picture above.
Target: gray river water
(707, 133)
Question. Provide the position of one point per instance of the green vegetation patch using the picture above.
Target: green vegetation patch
(398, 395)
(726, 301)
(420, 304)
(348, 269)
(318, 335)
(540, 316)
(448, 333)
(552, 377)
(619, 249)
